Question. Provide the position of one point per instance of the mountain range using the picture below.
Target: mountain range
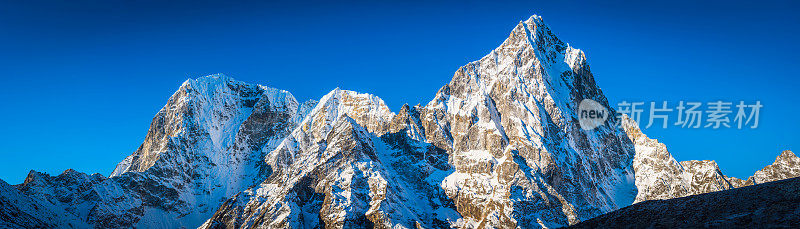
(499, 146)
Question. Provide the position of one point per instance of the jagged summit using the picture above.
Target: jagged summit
(367, 109)
(213, 108)
(660, 176)
(213, 79)
(786, 165)
(509, 121)
(336, 170)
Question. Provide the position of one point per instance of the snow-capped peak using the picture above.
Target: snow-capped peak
(368, 110)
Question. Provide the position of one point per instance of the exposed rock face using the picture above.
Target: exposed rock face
(18, 210)
(335, 171)
(786, 166)
(509, 122)
(208, 143)
(704, 176)
(767, 205)
(98, 200)
(660, 176)
(204, 146)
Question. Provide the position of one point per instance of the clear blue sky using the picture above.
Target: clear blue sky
(81, 81)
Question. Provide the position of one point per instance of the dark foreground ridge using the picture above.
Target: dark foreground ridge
(768, 205)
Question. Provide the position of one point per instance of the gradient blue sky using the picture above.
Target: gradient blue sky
(82, 80)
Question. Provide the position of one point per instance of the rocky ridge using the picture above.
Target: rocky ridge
(660, 176)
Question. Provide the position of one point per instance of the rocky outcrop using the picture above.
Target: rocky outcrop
(786, 166)
(18, 210)
(660, 176)
(100, 201)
